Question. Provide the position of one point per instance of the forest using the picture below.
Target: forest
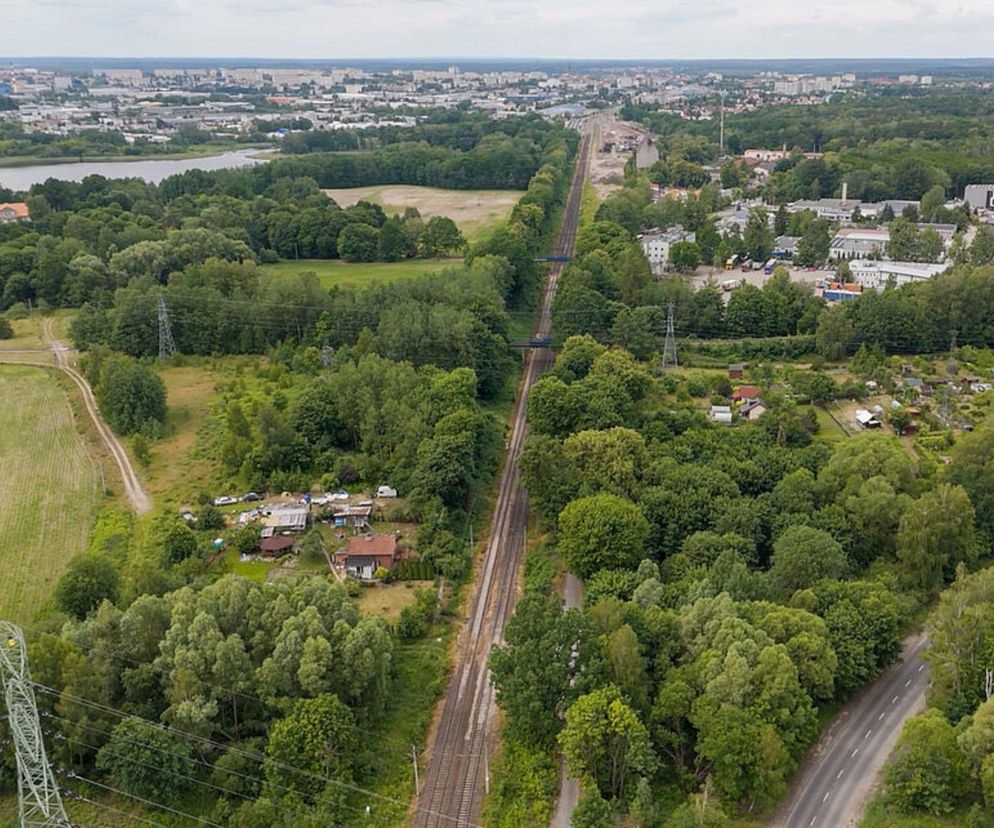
(166, 678)
(886, 144)
(737, 581)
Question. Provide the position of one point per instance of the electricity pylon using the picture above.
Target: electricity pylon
(167, 346)
(39, 804)
(669, 346)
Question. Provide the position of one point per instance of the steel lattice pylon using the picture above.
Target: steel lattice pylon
(669, 345)
(167, 346)
(39, 802)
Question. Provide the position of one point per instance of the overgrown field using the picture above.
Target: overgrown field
(477, 212)
(48, 488)
(333, 273)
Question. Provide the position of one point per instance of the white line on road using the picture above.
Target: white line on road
(894, 700)
(867, 736)
(851, 755)
(839, 774)
(825, 797)
(907, 682)
(922, 667)
(812, 820)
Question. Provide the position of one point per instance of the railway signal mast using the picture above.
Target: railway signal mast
(39, 804)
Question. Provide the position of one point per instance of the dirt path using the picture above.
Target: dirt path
(136, 495)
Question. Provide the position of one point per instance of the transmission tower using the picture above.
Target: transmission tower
(326, 354)
(669, 346)
(167, 346)
(39, 803)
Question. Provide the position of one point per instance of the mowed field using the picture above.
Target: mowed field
(334, 273)
(477, 212)
(48, 489)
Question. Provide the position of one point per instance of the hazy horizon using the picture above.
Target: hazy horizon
(505, 29)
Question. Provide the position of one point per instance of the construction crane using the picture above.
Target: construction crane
(39, 804)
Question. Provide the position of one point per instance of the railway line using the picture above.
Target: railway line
(456, 775)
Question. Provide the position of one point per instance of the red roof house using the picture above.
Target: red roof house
(746, 392)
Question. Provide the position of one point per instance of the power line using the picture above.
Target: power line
(39, 804)
(234, 750)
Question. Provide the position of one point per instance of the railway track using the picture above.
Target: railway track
(455, 779)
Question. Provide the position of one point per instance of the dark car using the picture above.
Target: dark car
(251, 496)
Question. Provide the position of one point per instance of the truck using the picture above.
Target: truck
(729, 284)
(732, 261)
(770, 266)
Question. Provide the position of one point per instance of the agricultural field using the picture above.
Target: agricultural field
(477, 212)
(332, 273)
(48, 489)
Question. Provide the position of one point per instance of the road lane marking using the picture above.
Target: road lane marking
(907, 682)
(922, 667)
(839, 774)
(825, 797)
(894, 700)
(851, 755)
(867, 736)
(881, 716)
(812, 820)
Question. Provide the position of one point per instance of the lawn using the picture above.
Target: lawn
(387, 600)
(334, 273)
(48, 489)
(477, 212)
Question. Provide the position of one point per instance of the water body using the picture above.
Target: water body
(151, 169)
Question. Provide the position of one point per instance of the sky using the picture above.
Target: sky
(652, 29)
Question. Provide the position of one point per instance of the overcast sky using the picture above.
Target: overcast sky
(498, 28)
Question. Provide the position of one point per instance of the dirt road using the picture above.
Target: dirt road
(133, 489)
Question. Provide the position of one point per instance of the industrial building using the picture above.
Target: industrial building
(878, 275)
(656, 244)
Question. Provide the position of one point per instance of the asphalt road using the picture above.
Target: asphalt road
(843, 768)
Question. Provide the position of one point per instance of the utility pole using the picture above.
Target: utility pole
(669, 346)
(721, 128)
(167, 346)
(39, 804)
(414, 759)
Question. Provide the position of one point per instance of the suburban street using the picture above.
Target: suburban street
(458, 775)
(844, 766)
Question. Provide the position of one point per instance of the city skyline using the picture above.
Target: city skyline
(419, 29)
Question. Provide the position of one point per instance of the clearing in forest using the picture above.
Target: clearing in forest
(477, 212)
(48, 488)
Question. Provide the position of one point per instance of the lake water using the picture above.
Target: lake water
(151, 169)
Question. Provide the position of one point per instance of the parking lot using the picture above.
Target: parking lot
(758, 277)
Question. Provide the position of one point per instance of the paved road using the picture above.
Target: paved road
(833, 791)
(133, 489)
(457, 773)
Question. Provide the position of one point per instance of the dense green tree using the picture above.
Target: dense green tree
(144, 760)
(929, 771)
(131, 395)
(935, 535)
(87, 581)
(601, 532)
(359, 242)
(440, 237)
(604, 740)
(802, 556)
(685, 256)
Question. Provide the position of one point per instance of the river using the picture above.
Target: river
(150, 169)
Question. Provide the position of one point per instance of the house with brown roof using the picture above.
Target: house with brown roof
(11, 211)
(746, 392)
(275, 545)
(367, 553)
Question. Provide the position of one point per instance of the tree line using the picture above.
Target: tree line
(736, 580)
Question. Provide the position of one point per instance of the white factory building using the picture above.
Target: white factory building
(656, 244)
(873, 275)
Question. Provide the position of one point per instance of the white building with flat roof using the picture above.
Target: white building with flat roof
(879, 275)
(656, 244)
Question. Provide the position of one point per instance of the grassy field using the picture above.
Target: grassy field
(477, 212)
(349, 274)
(48, 489)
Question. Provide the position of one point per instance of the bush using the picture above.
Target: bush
(6, 329)
(88, 581)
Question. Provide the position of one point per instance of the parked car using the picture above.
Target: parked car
(225, 500)
(250, 497)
